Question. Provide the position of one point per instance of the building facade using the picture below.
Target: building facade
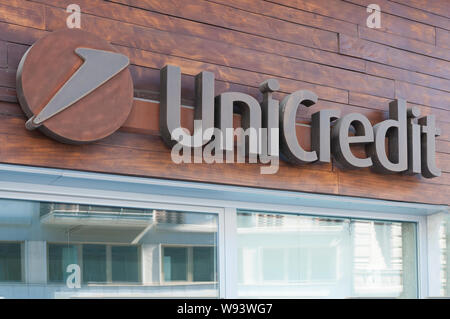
(118, 215)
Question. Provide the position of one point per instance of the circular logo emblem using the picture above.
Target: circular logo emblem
(74, 87)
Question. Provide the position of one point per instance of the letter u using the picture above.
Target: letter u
(170, 108)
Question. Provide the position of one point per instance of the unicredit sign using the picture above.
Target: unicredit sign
(96, 73)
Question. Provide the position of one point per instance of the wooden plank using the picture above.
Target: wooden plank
(8, 95)
(11, 109)
(213, 52)
(374, 116)
(443, 38)
(15, 53)
(404, 43)
(3, 54)
(422, 95)
(178, 25)
(390, 187)
(8, 78)
(394, 73)
(19, 34)
(443, 162)
(380, 103)
(439, 7)
(223, 16)
(28, 16)
(443, 146)
(292, 15)
(410, 13)
(24, 4)
(387, 55)
(358, 15)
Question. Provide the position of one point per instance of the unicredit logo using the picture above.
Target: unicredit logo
(76, 88)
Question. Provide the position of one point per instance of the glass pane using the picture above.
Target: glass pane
(10, 262)
(204, 264)
(75, 250)
(286, 255)
(384, 259)
(94, 263)
(291, 255)
(175, 263)
(60, 256)
(125, 263)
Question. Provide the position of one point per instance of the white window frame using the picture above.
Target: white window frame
(42, 184)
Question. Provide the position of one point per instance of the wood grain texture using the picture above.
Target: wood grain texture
(209, 51)
(392, 56)
(408, 12)
(164, 22)
(443, 38)
(357, 14)
(319, 45)
(224, 16)
(439, 7)
(3, 54)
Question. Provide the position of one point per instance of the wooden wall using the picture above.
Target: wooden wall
(321, 45)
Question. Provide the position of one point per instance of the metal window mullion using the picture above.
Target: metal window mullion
(108, 264)
(190, 264)
(229, 246)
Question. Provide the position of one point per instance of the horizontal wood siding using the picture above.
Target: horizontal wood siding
(319, 45)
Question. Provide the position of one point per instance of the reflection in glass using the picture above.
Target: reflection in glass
(287, 255)
(94, 263)
(204, 264)
(175, 264)
(60, 256)
(125, 263)
(10, 262)
(110, 251)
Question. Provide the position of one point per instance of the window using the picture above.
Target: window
(175, 264)
(94, 263)
(125, 263)
(192, 264)
(122, 266)
(204, 265)
(144, 252)
(10, 262)
(59, 258)
(289, 255)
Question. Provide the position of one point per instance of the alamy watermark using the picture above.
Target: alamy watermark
(374, 19)
(74, 279)
(255, 144)
(73, 21)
